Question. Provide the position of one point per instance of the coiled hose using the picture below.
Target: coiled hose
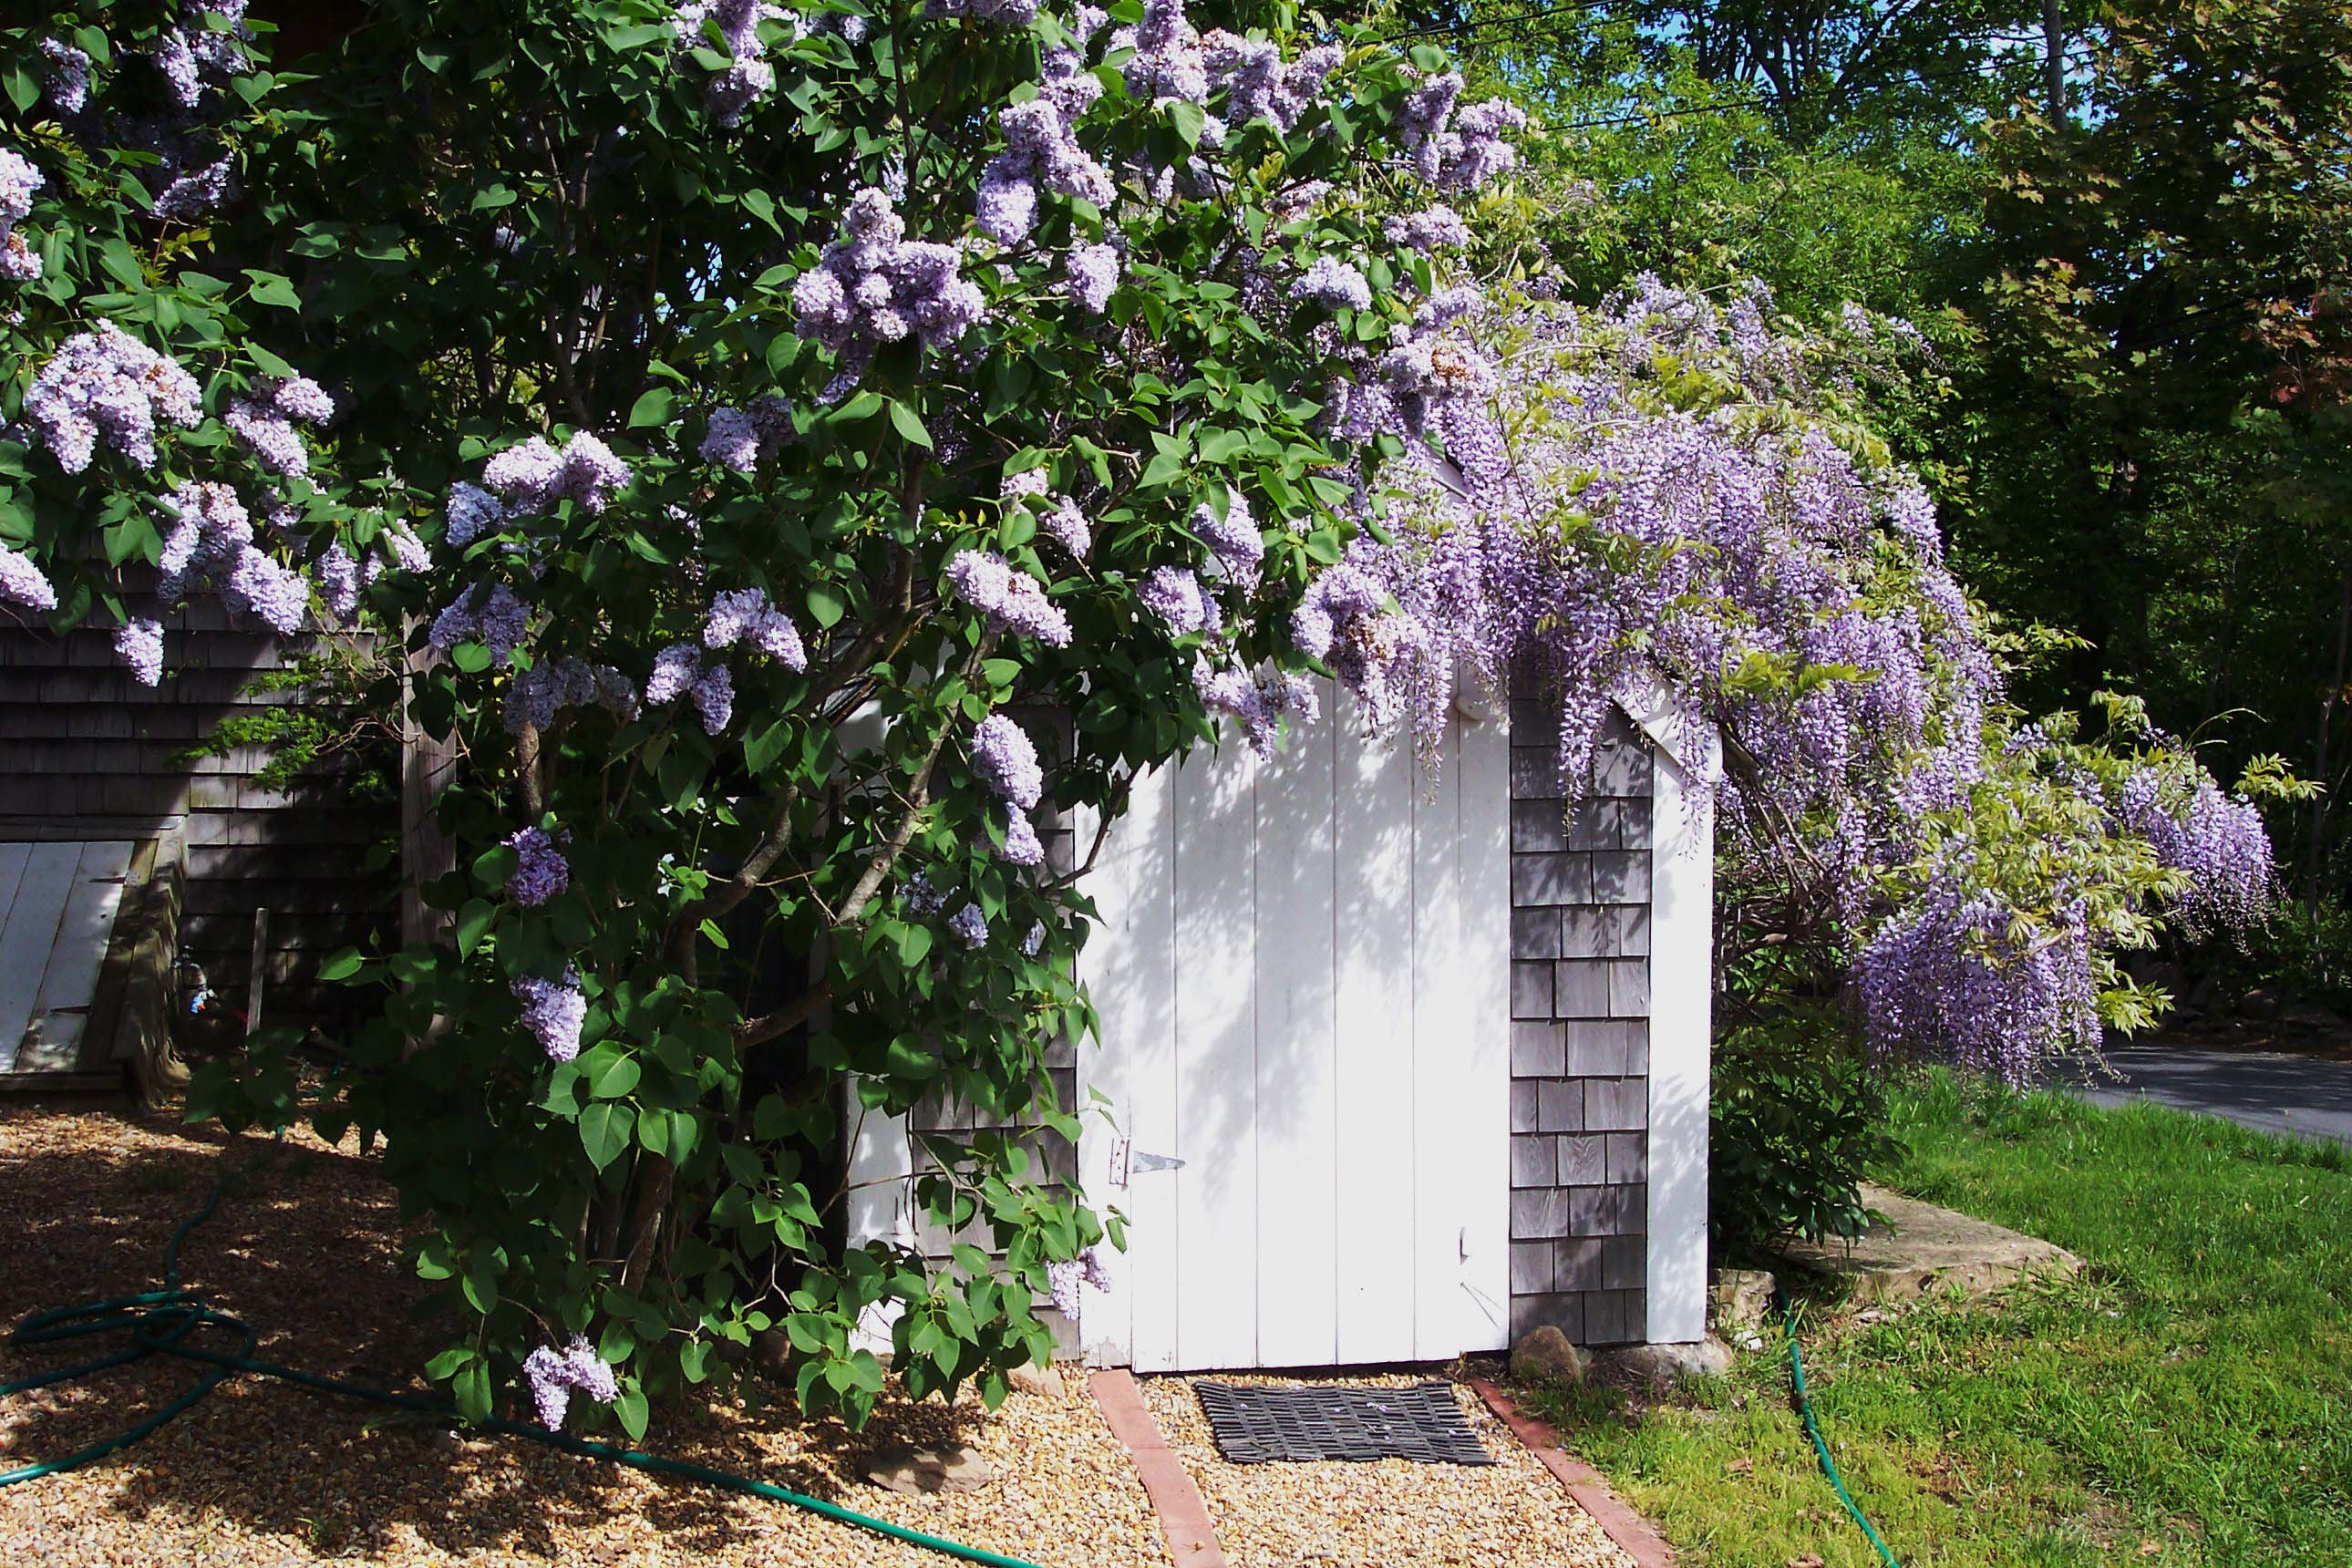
(164, 1321)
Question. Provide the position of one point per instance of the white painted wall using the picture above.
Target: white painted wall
(1291, 1007)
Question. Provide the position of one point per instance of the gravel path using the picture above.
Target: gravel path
(263, 1474)
(1386, 1513)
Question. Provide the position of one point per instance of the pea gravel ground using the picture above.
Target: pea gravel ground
(1388, 1512)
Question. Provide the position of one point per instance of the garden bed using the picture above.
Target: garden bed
(307, 1251)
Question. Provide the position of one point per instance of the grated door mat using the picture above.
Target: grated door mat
(1256, 1425)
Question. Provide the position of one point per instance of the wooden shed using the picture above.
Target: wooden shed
(1399, 1065)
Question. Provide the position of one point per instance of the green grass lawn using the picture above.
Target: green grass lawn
(2187, 1401)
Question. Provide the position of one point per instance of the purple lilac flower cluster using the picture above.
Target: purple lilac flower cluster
(1063, 1280)
(533, 475)
(1059, 517)
(1260, 703)
(744, 614)
(1006, 761)
(488, 613)
(1009, 598)
(211, 545)
(1090, 276)
(553, 1012)
(106, 385)
(1174, 594)
(1457, 147)
(1040, 153)
(553, 1376)
(21, 584)
(748, 77)
(739, 438)
(196, 54)
(1258, 82)
(552, 685)
(679, 671)
(969, 925)
(264, 423)
(875, 286)
(1237, 551)
(1437, 228)
(1004, 13)
(1333, 284)
(1169, 62)
(139, 643)
(65, 76)
(19, 262)
(540, 870)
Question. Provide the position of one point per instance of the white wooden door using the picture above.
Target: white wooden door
(1302, 972)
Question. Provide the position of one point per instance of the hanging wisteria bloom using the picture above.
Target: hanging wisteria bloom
(1007, 596)
(553, 1376)
(744, 614)
(23, 584)
(553, 1012)
(264, 423)
(535, 475)
(104, 383)
(139, 643)
(540, 870)
(969, 925)
(1006, 761)
(2218, 842)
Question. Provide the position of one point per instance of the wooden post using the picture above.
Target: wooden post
(428, 764)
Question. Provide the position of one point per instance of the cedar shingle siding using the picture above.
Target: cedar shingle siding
(1580, 1034)
(85, 751)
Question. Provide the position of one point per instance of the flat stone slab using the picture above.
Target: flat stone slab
(1920, 1250)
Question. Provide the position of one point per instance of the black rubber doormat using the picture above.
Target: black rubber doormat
(1256, 1423)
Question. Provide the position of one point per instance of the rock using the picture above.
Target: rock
(1045, 1380)
(949, 1468)
(1739, 1301)
(1710, 1357)
(2261, 1001)
(1544, 1355)
(1914, 1249)
(2311, 1016)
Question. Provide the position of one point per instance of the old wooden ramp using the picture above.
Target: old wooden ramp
(86, 945)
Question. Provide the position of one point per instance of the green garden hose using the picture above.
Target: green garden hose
(161, 1323)
(1829, 1466)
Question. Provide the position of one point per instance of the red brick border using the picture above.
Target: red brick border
(1184, 1515)
(1632, 1533)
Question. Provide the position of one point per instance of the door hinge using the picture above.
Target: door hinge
(1126, 1163)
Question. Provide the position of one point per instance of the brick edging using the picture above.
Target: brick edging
(1183, 1514)
(1633, 1534)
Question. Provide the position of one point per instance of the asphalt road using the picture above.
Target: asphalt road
(2275, 1092)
